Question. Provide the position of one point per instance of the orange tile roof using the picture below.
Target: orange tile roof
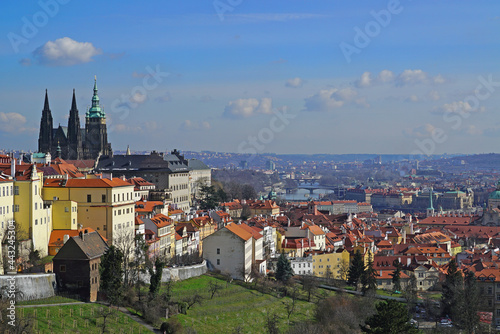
(57, 236)
(86, 183)
(256, 235)
(160, 220)
(240, 232)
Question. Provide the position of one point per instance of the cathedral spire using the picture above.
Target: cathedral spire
(95, 110)
(45, 137)
(75, 146)
(46, 104)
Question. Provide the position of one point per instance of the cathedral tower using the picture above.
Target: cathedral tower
(75, 146)
(45, 137)
(96, 137)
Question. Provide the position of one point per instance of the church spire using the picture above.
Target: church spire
(95, 110)
(45, 136)
(46, 104)
(75, 148)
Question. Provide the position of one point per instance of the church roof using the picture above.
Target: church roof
(496, 193)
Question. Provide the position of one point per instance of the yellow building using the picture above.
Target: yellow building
(31, 213)
(6, 208)
(64, 215)
(338, 263)
(105, 205)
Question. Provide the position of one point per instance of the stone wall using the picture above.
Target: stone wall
(180, 273)
(31, 286)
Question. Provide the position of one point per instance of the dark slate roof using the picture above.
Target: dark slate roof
(91, 246)
(132, 162)
(197, 164)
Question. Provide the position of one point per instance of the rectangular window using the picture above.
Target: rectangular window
(103, 198)
(490, 290)
(36, 206)
(36, 189)
(89, 198)
(218, 261)
(36, 221)
(66, 209)
(218, 250)
(62, 268)
(16, 190)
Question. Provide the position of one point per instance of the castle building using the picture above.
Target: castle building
(73, 142)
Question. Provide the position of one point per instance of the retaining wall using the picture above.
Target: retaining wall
(30, 286)
(179, 273)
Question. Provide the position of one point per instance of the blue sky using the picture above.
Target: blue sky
(404, 77)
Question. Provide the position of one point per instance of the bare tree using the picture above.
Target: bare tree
(271, 323)
(309, 285)
(343, 270)
(214, 288)
(291, 303)
(125, 242)
(192, 300)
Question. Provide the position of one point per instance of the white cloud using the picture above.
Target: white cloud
(13, 122)
(243, 108)
(385, 76)
(189, 125)
(405, 78)
(294, 83)
(138, 97)
(365, 80)
(329, 99)
(457, 107)
(65, 52)
(411, 77)
(438, 79)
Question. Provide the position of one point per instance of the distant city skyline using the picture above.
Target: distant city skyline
(392, 77)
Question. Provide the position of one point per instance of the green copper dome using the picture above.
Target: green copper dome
(496, 193)
(95, 111)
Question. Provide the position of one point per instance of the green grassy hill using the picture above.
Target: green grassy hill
(235, 306)
(83, 318)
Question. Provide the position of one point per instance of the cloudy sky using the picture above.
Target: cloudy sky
(289, 76)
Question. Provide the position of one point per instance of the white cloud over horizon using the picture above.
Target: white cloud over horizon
(243, 108)
(65, 52)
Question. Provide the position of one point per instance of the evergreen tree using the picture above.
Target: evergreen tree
(284, 268)
(469, 304)
(396, 276)
(369, 278)
(391, 318)
(355, 270)
(111, 270)
(155, 277)
(452, 287)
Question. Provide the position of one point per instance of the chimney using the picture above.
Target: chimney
(81, 236)
(66, 238)
(13, 167)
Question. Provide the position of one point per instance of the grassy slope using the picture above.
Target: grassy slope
(234, 306)
(63, 322)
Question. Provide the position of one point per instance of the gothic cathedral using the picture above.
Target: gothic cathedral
(72, 142)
